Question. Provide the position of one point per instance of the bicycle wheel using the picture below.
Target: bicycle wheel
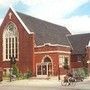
(72, 82)
(64, 83)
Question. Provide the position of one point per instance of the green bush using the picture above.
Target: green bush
(15, 71)
(27, 75)
(83, 72)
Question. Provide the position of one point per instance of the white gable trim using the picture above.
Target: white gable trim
(89, 44)
(20, 20)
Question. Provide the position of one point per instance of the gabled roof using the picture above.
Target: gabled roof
(79, 42)
(45, 32)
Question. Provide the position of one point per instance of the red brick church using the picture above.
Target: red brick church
(44, 48)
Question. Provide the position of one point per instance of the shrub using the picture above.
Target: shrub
(27, 75)
(15, 71)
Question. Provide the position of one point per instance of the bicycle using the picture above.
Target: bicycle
(69, 81)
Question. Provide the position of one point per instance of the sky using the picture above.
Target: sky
(73, 14)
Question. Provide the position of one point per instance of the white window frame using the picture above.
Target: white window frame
(62, 60)
(10, 36)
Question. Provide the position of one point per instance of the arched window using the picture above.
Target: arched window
(47, 59)
(10, 42)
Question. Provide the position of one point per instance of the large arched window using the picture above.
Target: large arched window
(10, 42)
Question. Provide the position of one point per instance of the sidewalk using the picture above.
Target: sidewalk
(38, 82)
(32, 82)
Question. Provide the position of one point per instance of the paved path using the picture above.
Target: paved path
(32, 82)
(85, 85)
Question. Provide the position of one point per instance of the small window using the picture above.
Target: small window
(63, 60)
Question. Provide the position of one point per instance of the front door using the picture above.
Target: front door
(44, 69)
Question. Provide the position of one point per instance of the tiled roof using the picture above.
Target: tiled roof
(45, 32)
(79, 42)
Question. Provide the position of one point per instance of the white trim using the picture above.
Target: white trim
(45, 57)
(7, 37)
(43, 63)
(4, 47)
(69, 41)
(67, 52)
(50, 62)
(49, 44)
(20, 20)
(47, 68)
(62, 61)
(89, 43)
(41, 76)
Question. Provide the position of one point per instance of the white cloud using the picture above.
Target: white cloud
(7, 3)
(78, 24)
(53, 8)
(54, 11)
(75, 24)
(47, 8)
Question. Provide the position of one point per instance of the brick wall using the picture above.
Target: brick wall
(53, 52)
(25, 45)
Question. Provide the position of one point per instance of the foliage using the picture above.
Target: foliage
(15, 70)
(28, 74)
(83, 72)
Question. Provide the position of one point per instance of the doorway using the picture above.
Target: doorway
(44, 68)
